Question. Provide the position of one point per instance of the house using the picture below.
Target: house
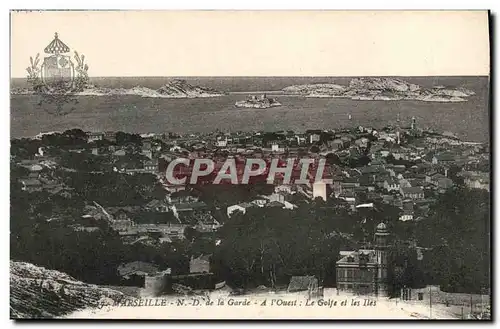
(147, 153)
(94, 136)
(478, 180)
(110, 136)
(365, 271)
(80, 228)
(388, 199)
(362, 142)
(443, 158)
(150, 166)
(183, 208)
(120, 153)
(138, 268)
(278, 147)
(314, 138)
(404, 183)
(443, 183)
(414, 193)
(349, 185)
(200, 264)
(335, 144)
(31, 185)
(356, 272)
(283, 188)
(239, 207)
(408, 212)
(181, 197)
(301, 139)
(157, 205)
(207, 223)
(400, 155)
(350, 198)
(307, 283)
(391, 184)
(221, 141)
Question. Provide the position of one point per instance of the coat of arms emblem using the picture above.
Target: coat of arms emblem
(58, 78)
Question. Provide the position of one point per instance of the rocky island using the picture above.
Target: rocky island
(383, 89)
(173, 89)
(262, 102)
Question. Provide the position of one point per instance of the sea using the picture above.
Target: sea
(468, 120)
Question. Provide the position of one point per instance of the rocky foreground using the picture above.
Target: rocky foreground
(383, 89)
(37, 293)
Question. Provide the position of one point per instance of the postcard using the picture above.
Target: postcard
(250, 165)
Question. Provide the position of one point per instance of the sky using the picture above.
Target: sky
(260, 43)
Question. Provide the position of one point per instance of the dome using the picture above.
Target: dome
(381, 230)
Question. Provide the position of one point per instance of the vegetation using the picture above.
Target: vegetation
(265, 246)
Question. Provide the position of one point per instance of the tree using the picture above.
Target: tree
(458, 229)
(333, 159)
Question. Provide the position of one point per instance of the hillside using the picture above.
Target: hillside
(36, 292)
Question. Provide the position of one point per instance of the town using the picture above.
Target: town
(102, 200)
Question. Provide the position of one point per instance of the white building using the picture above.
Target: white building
(319, 190)
(239, 207)
(222, 142)
(276, 147)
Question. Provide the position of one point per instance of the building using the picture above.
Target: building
(239, 207)
(314, 138)
(94, 136)
(150, 166)
(319, 190)
(157, 205)
(443, 183)
(183, 208)
(414, 193)
(221, 141)
(391, 184)
(110, 136)
(277, 147)
(307, 283)
(365, 271)
(200, 264)
(408, 211)
(134, 273)
(443, 158)
(335, 144)
(476, 180)
(31, 185)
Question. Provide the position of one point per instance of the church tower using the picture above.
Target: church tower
(398, 131)
(382, 254)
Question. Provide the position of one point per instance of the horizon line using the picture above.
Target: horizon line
(280, 76)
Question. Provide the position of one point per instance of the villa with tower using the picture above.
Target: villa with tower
(365, 271)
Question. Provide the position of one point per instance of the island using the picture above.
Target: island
(175, 88)
(262, 102)
(381, 89)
